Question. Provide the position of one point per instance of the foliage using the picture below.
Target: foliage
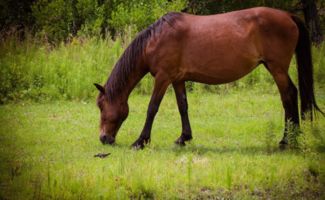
(92, 14)
(15, 13)
(59, 19)
(142, 13)
(54, 18)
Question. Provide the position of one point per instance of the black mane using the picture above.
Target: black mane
(128, 61)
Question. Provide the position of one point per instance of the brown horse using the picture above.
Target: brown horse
(211, 49)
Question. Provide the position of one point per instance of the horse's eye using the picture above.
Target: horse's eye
(104, 118)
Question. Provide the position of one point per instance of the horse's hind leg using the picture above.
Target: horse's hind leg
(289, 97)
(180, 92)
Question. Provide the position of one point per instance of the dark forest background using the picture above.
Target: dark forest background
(57, 20)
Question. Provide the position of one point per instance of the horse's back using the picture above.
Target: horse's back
(223, 47)
(253, 26)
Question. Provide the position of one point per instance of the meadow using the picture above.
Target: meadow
(49, 133)
(47, 151)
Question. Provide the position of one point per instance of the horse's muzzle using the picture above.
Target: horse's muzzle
(106, 139)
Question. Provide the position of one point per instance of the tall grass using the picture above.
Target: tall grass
(31, 69)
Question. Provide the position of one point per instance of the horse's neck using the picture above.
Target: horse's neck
(133, 80)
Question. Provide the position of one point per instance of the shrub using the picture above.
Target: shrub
(58, 20)
(142, 13)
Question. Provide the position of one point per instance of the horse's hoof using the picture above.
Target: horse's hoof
(182, 139)
(140, 143)
(186, 137)
(180, 142)
(137, 146)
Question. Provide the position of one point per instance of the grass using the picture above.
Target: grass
(33, 70)
(47, 151)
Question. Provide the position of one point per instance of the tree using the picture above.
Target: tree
(312, 20)
(15, 15)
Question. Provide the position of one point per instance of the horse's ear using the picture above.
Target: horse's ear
(100, 88)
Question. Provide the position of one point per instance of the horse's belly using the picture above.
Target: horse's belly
(219, 74)
(220, 62)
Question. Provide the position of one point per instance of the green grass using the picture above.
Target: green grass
(47, 151)
(33, 70)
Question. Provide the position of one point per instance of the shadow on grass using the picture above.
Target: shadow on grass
(269, 147)
(204, 150)
(245, 150)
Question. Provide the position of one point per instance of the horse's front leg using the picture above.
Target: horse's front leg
(180, 92)
(161, 84)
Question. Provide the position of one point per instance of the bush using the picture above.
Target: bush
(142, 13)
(58, 20)
(53, 19)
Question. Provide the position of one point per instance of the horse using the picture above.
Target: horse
(211, 49)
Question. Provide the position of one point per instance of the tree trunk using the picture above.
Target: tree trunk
(76, 23)
(312, 20)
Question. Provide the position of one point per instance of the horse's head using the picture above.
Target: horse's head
(112, 115)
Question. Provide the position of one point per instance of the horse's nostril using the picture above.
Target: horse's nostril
(106, 139)
(103, 139)
(111, 140)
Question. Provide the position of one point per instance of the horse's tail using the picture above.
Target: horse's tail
(305, 71)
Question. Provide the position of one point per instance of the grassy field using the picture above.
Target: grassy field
(47, 151)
